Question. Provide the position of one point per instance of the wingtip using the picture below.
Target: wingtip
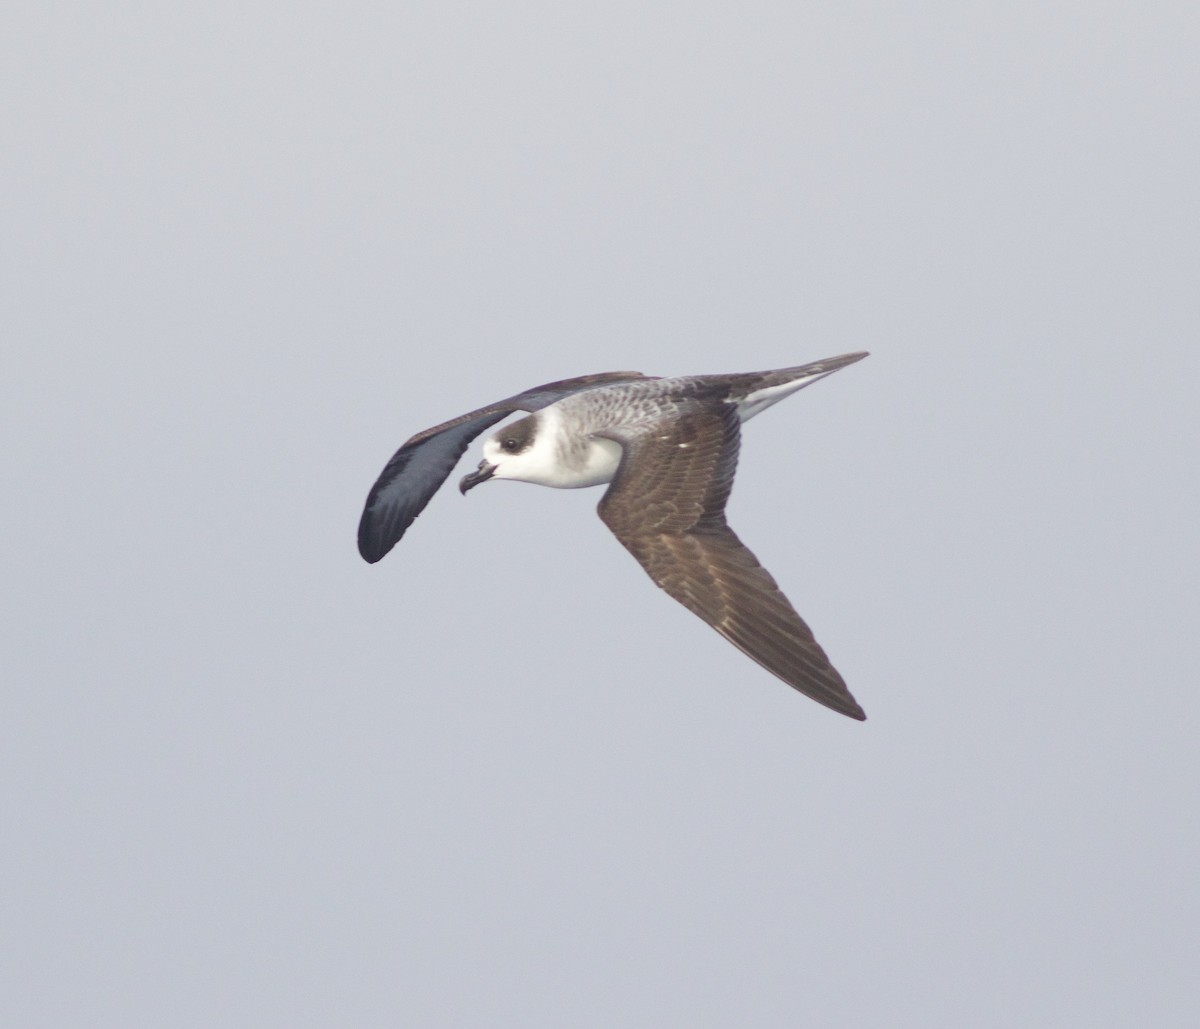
(849, 707)
(373, 550)
(844, 705)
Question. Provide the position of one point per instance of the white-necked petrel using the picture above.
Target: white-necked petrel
(669, 448)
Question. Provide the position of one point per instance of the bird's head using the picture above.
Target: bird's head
(508, 453)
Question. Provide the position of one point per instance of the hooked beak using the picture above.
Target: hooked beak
(481, 474)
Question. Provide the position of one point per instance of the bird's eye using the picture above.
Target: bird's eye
(510, 445)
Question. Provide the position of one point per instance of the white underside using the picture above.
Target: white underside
(549, 463)
(600, 463)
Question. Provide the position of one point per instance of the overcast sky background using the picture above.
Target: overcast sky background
(499, 778)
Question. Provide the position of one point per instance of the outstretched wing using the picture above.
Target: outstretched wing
(418, 468)
(667, 507)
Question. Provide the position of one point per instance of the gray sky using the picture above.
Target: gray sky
(500, 779)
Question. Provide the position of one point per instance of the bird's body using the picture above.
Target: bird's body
(575, 440)
(669, 448)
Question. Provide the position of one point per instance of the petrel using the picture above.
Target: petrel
(668, 447)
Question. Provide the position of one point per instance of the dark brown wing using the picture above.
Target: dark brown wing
(667, 507)
(418, 468)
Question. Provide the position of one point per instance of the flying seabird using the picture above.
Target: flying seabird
(669, 448)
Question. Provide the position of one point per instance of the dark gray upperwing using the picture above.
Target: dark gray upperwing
(667, 507)
(418, 468)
